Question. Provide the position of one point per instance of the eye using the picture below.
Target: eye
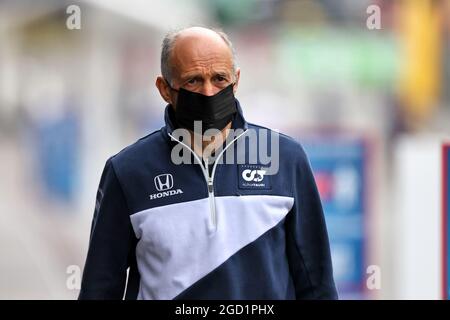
(192, 81)
(220, 78)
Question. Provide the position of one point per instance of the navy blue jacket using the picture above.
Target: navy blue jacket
(185, 232)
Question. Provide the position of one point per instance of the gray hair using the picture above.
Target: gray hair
(169, 42)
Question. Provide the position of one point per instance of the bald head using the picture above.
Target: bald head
(196, 59)
(193, 42)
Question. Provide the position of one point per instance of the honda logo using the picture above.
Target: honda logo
(163, 182)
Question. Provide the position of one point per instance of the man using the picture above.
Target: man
(208, 229)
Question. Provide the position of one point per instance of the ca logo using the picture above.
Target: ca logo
(253, 175)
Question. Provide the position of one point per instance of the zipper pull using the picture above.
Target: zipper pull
(210, 182)
(210, 185)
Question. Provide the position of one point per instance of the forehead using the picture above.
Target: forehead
(192, 53)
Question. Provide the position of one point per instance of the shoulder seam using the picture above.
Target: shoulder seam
(280, 133)
(148, 135)
(135, 142)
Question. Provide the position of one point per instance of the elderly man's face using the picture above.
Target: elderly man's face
(201, 62)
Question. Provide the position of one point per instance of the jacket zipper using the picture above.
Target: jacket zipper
(209, 178)
(212, 202)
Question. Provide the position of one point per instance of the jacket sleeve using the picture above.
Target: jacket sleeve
(308, 247)
(110, 244)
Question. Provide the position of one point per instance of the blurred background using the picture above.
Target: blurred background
(363, 85)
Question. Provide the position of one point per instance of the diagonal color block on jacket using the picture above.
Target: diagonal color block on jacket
(207, 231)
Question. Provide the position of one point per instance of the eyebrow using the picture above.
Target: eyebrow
(199, 76)
(191, 76)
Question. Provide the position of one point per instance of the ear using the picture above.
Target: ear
(164, 89)
(238, 76)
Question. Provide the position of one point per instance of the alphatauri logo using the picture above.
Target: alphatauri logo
(164, 184)
(253, 175)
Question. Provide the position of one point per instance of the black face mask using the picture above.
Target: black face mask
(213, 111)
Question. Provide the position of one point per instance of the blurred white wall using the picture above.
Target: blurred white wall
(416, 231)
